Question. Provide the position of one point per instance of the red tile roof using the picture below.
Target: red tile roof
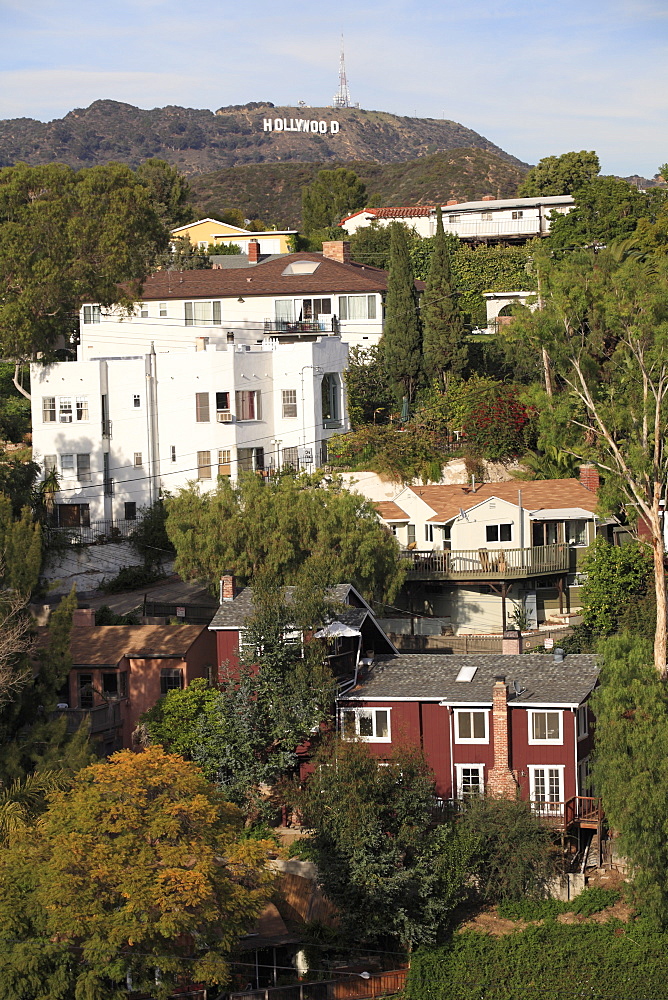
(408, 212)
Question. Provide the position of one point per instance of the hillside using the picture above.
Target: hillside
(198, 140)
(272, 191)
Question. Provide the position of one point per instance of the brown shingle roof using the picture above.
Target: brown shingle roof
(390, 511)
(542, 494)
(104, 644)
(267, 278)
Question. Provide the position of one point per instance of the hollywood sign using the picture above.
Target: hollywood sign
(300, 125)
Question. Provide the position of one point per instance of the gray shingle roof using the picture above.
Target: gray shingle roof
(233, 614)
(432, 677)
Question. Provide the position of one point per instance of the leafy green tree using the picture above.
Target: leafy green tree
(20, 549)
(139, 866)
(606, 209)
(67, 237)
(389, 872)
(631, 761)
(169, 190)
(401, 342)
(564, 174)
(370, 245)
(186, 257)
(499, 424)
(617, 578)
(370, 397)
(332, 195)
(292, 527)
(443, 335)
(149, 537)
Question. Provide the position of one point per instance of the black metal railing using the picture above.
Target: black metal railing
(321, 325)
(95, 533)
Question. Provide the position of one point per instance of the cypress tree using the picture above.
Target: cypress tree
(445, 351)
(402, 340)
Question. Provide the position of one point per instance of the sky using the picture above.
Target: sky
(537, 77)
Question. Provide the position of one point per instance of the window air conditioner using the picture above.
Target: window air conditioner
(225, 417)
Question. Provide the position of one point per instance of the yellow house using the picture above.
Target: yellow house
(207, 231)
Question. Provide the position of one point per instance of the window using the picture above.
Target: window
(250, 459)
(162, 308)
(65, 410)
(138, 459)
(518, 215)
(584, 777)
(357, 307)
(471, 726)
(582, 723)
(49, 409)
(171, 679)
(86, 695)
(429, 532)
(67, 464)
(83, 468)
(331, 395)
(91, 314)
(204, 465)
(143, 310)
(546, 789)
(73, 515)
(115, 685)
(202, 407)
(486, 216)
(136, 401)
(130, 513)
(82, 407)
(247, 402)
(370, 724)
(172, 453)
(289, 402)
(312, 309)
(453, 218)
(224, 461)
(410, 534)
(285, 312)
(499, 532)
(202, 313)
(545, 727)
(470, 780)
(291, 457)
(50, 464)
(222, 402)
(576, 533)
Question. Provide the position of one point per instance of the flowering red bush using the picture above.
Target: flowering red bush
(499, 425)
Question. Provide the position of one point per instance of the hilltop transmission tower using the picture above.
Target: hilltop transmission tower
(342, 97)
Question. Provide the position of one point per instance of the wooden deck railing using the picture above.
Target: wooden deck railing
(579, 810)
(100, 718)
(487, 564)
(348, 987)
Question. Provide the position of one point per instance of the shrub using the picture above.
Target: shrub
(131, 578)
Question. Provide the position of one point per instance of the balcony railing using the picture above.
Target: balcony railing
(487, 564)
(101, 718)
(321, 325)
(580, 810)
(94, 533)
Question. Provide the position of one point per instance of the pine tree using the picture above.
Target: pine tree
(402, 341)
(443, 332)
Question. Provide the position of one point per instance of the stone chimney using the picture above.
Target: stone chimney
(337, 250)
(228, 588)
(589, 477)
(511, 643)
(501, 782)
(83, 617)
(253, 251)
(488, 197)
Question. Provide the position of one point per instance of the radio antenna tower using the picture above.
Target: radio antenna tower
(342, 97)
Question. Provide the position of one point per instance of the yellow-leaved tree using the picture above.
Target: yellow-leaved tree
(134, 878)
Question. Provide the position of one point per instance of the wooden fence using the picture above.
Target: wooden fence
(348, 987)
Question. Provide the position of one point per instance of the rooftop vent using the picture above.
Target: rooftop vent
(559, 655)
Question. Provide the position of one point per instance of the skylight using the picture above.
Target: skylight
(466, 674)
(302, 267)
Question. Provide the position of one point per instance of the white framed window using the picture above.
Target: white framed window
(50, 464)
(138, 459)
(545, 728)
(202, 407)
(582, 722)
(222, 402)
(471, 725)
(546, 785)
(162, 308)
(248, 404)
(453, 218)
(357, 307)
(576, 533)
(429, 532)
(289, 402)
(486, 216)
(91, 314)
(410, 534)
(290, 457)
(470, 780)
(143, 310)
(224, 461)
(499, 532)
(204, 465)
(49, 409)
(67, 465)
(83, 468)
(202, 313)
(65, 410)
(81, 407)
(369, 724)
(518, 215)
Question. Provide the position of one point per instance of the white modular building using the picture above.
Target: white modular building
(133, 421)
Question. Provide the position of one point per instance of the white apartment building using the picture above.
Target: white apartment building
(490, 220)
(132, 421)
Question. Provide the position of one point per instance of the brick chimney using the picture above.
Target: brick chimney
(337, 250)
(83, 617)
(488, 197)
(501, 782)
(589, 477)
(453, 201)
(253, 251)
(228, 588)
(511, 643)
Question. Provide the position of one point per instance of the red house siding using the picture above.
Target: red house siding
(227, 648)
(436, 745)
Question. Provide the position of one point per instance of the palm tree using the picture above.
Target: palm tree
(21, 802)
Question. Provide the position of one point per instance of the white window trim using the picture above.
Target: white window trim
(545, 743)
(472, 739)
(499, 525)
(458, 770)
(364, 711)
(547, 808)
(582, 712)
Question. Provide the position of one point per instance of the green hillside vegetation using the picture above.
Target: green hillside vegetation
(272, 191)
